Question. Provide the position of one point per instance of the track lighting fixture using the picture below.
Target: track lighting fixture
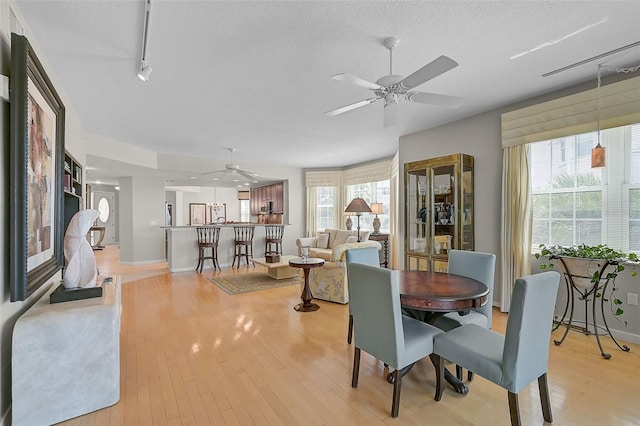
(145, 70)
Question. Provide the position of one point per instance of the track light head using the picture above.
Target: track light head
(144, 72)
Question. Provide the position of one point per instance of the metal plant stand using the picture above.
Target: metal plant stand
(587, 294)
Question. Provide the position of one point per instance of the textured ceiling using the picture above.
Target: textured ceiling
(256, 75)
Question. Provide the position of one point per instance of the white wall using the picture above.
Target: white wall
(480, 137)
(141, 217)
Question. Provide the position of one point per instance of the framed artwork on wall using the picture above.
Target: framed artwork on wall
(36, 151)
(197, 214)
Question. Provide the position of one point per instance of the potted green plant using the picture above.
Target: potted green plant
(589, 265)
(589, 271)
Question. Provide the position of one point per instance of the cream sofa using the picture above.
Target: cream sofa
(337, 237)
(330, 282)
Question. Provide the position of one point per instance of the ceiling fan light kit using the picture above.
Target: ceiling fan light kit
(391, 86)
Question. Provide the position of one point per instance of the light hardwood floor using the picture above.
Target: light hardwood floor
(191, 354)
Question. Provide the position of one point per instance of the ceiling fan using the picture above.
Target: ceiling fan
(233, 169)
(391, 86)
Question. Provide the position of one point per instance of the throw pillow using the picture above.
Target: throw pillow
(364, 235)
(323, 241)
(341, 237)
(352, 239)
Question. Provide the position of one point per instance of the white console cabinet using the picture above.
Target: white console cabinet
(65, 358)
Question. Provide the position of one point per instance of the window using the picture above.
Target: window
(575, 204)
(325, 202)
(373, 192)
(245, 212)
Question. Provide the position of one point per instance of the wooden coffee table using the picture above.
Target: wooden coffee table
(278, 270)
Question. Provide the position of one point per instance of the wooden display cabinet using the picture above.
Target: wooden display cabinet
(439, 210)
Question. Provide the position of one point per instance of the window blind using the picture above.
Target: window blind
(574, 114)
(373, 172)
(314, 178)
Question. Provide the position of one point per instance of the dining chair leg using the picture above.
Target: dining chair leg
(356, 368)
(350, 331)
(543, 387)
(459, 372)
(439, 364)
(470, 376)
(397, 384)
(514, 409)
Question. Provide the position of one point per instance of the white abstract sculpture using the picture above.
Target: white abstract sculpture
(80, 270)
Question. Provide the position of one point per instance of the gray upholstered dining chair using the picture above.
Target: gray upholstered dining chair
(479, 266)
(380, 329)
(368, 256)
(520, 356)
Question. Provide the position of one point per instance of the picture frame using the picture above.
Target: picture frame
(36, 156)
(197, 214)
(217, 213)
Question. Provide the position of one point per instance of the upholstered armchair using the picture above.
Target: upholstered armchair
(330, 282)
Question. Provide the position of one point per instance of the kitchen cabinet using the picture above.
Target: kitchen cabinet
(267, 199)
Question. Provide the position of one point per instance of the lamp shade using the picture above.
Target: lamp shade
(377, 208)
(598, 157)
(358, 205)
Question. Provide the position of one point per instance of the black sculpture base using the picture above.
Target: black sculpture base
(62, 294)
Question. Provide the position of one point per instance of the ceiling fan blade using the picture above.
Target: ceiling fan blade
(435, 99)
(431, 70)
(390, 114)
(348, 78)
(217, 171)
(350, 107)
(247, 175)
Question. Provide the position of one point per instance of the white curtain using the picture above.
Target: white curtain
(515, 251)
(394, 213)
(311, 211)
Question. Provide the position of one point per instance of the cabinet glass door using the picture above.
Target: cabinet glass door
(444, 211)
(417, 211)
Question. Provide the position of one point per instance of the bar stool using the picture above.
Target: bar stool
(273, 237)
(208, 238)
(243, 243)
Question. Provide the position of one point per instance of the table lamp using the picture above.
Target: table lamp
(376, 208)
(358, 206)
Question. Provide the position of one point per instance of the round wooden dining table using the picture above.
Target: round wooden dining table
(439, 292)
(427, 295)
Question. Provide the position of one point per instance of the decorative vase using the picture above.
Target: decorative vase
(376, 225)
(349, 223)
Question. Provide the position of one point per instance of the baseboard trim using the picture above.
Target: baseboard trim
(144, 262)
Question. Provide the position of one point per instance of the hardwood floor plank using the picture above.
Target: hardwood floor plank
(192, 354)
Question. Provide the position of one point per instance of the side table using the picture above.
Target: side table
(306, 296)
(384, 240)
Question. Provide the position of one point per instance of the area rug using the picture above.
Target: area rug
(254, 281)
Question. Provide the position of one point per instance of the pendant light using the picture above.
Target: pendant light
(598, 153)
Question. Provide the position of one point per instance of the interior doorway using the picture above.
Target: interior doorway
(105, 203)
